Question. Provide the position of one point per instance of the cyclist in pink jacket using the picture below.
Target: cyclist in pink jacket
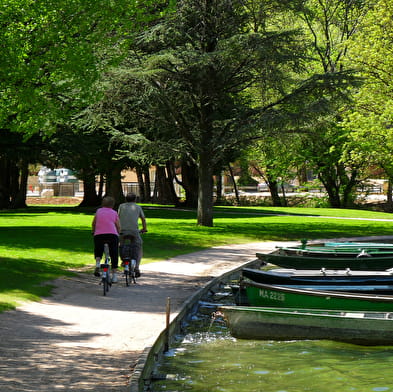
(106, 228)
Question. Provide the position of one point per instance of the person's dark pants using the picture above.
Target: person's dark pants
(113, 243)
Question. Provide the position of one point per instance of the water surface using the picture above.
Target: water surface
(212, 361)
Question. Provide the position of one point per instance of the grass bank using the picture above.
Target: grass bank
(43, 242)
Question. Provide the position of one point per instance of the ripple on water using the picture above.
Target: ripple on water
(254, 366)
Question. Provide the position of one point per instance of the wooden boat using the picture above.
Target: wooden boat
(260, 294)
(340, 249)
(358, 245)
(242, 298)
(382, 246)
(318, 277)
(335, 252)
(363, 288)
(357, 327)
(376, 263)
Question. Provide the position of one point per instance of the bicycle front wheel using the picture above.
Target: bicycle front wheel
(105, 285)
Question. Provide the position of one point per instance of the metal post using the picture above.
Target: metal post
(168, 317)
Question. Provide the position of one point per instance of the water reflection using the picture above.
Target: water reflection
(210, 360)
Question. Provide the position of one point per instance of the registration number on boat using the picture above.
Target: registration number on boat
(273, 295)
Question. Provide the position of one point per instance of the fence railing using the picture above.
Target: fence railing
(76, 188)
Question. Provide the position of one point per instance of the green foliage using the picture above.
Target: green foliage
(203, 80)
(52, 54)
(371, 118)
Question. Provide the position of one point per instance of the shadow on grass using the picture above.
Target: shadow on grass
(233, 212)
(46, 209)
(24, 280)
(166, 240)
(185, 238)
(30, 237)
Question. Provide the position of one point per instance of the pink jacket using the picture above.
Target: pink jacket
(105, 221)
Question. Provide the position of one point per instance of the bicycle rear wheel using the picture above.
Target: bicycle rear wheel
(132, 271)
(127, 272)
(106, 275)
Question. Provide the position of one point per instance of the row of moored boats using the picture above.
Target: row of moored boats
(337, 290)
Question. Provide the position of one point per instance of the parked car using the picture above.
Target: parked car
(262, 187)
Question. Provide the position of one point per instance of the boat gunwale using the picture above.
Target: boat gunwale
(309, 312)
(352, 252)
(319, 273)
(273, 255)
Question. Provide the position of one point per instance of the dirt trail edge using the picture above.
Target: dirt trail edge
(79, 340)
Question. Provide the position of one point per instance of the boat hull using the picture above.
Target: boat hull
(319, 277)
(259, 294)
(287, 324)
(338, 263)
(336, 252)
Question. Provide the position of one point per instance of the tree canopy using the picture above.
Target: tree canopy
(199, 81)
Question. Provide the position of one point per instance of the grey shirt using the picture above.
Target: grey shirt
(129, 213)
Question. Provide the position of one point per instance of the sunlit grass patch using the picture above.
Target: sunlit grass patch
(39, 244)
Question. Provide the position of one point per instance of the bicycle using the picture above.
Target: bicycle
(128, 254)
(106, 270)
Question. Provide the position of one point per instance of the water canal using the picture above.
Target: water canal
(208, 359)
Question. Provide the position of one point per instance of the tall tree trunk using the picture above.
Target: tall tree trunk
(284, 198)
(114, 185)
(20, 178)
(13, 183)
(170, 179)
(90, 196)
(205, 191)
(143, 176)
(141, 184)
(219, 188)
(146, 175)
(389, 195)
(234, 185)
(348, 181)
(101, 186)
(332, 190)
(272, 183)
(302, 174)
(274, 193)
(5, 193)
(164, 190)
(189, 175)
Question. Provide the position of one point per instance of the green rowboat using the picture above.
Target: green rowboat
(340, 249)
(365, 328)
(318, 277)
(302, 261)
(259, 294)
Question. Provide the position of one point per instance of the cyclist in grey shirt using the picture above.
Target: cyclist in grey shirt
(129, 214)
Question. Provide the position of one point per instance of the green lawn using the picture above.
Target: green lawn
(42, 243)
